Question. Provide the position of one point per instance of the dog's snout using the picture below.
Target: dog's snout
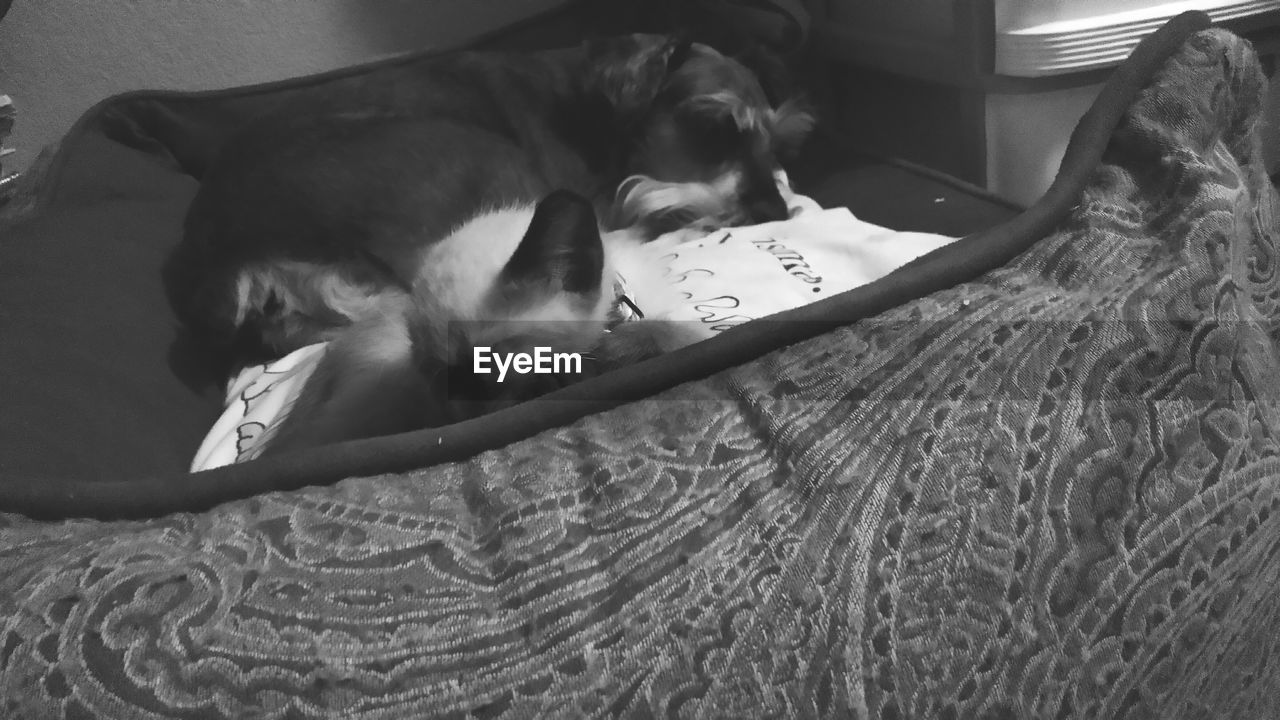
(763, 203)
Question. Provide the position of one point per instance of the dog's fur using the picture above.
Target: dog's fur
(352, 217)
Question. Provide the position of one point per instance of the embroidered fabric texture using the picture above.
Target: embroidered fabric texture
(1051, 492)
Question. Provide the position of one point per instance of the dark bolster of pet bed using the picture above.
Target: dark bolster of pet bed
(1047, 488)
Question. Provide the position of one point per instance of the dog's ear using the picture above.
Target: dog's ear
(792, 121)
(562, 247)
(630, 71)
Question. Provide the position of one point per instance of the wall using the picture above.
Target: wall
(1027, 137)
(1024, 14)
(1027, 134)
(59, 57)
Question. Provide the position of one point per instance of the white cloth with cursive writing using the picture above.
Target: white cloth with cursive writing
(731, 276)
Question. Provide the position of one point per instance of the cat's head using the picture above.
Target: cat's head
(512, 304)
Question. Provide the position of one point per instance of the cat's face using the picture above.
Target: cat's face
(528, 282)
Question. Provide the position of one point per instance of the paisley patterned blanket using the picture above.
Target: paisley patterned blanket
(1053, 491)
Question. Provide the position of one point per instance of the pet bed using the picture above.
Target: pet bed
(1032, 474)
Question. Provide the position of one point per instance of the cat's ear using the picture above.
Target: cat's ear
(562, 247)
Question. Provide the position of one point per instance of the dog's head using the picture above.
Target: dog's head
(702, 140)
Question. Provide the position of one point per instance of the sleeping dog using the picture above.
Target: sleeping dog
(325, 220)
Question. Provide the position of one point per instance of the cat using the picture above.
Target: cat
(502, 285)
